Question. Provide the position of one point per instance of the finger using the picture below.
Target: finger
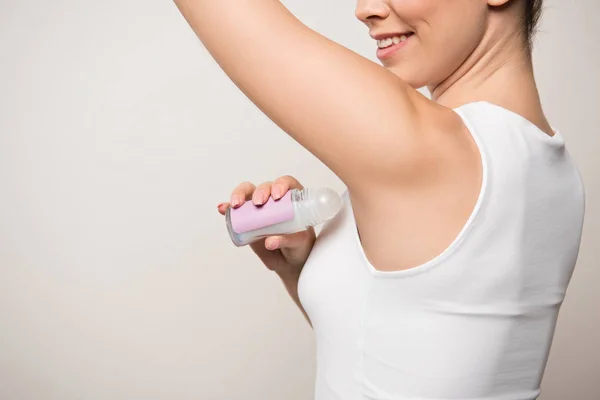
(282, 184)
(241, 193)
(293, 241)
(222, 208)
(273, 242)
(262, 193)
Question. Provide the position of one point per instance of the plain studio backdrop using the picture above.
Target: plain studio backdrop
(119, 135)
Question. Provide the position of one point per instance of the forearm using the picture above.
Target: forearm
(290, 282)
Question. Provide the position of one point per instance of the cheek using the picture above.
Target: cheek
(414, 12)
(440, 25)
(447, 32)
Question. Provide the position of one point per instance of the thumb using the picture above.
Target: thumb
(292, 241)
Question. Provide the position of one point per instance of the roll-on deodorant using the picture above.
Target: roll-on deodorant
(294, 212)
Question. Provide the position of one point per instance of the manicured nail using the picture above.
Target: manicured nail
(276, 192)
(258, 197)
(235, 201)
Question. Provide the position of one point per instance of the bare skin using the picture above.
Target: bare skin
(285, 255)
(411, 167)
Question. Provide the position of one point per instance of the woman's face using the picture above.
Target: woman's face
(442, 34)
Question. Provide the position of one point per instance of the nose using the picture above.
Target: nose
(369, 10)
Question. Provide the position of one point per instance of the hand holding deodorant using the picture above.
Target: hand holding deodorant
(296, 211)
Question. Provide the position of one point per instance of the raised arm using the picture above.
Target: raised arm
(358, 118)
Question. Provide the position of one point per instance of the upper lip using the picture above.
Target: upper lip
(381, 36)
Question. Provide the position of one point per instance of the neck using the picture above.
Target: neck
(499, 71)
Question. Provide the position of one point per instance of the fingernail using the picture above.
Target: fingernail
(276, 192)
(220, 205)
(258, 197)
(273, 244)
(235, 201)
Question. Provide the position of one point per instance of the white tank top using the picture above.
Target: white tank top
(475, 322)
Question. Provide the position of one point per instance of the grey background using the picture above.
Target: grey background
(118, 137)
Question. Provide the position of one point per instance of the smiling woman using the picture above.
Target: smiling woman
(462, 220)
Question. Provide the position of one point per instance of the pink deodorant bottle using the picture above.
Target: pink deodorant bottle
(294, 212)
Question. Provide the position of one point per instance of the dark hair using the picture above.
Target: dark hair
(533, 12)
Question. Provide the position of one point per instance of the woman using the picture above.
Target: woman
(443, 275)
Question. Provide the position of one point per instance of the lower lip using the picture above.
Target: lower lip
(386, 53)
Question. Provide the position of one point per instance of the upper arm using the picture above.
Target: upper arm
(358, 118)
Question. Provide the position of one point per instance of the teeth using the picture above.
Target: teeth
(389, 41)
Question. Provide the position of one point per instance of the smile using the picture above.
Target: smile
(389, 46)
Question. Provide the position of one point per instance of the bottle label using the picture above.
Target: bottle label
(249, 217)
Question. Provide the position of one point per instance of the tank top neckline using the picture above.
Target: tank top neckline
(556, 139)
